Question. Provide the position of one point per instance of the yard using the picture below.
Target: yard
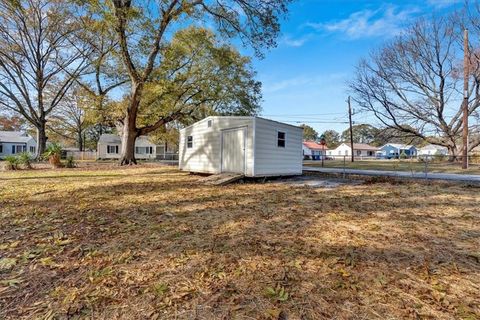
(398, 165)
(149, 242)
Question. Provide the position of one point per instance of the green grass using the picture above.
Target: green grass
(396, 165)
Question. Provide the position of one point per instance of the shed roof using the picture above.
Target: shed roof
(362, 146)
(241, 117)
(14, 137)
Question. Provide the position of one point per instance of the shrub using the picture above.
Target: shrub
(25, 160)
(11, 162)
(70, 163)
(53, 154)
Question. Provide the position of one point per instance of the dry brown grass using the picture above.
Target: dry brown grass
(152, 243)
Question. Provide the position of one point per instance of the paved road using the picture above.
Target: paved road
(399, 174)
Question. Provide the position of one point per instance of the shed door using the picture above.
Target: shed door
(233, 150)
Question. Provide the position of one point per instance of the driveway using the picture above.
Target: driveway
(399, 174)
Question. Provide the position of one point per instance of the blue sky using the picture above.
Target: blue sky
(304, 78)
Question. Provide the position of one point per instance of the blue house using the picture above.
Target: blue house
(395, 150)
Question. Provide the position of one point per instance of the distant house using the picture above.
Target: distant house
(109, 146)
(395, 150)
(433, 149)
(252, 146)
(359, 150)
(14, 142)
(313, 150)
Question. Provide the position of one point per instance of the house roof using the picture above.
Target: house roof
(362, 146)
(115, 139)
(14, 136)
(312, 145)
(433, 147)
(399, 146)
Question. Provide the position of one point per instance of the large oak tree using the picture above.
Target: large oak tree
(145, 28)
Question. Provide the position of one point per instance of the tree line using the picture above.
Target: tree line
(84, 67)
(362, 133)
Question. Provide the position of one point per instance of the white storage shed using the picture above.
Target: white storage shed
(252, 146)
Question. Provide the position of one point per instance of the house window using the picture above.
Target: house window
(346, 152)
(20, 149)
(144, 150)
(1, 148)
(112, 149)
(209, 123)
(359, 152)
(32, 149)
(281, 139)
(189, 141)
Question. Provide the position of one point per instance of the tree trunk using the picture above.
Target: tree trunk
(41, 139)
(452, 153)
(80, 140)
(129, 135)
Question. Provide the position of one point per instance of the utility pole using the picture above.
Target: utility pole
(466, 72)
(351, 129)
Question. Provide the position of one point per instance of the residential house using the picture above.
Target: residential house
(312, 150)
(109, 146)
(14, 142)
(252, 146)
(359, 150)
(433, 149)
(396, 150)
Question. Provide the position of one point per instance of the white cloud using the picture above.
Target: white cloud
(384, 22)
(294, 42)
(302, 82)
(443, 3)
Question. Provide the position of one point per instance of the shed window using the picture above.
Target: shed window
(189, 141)
(281, 139)
(112, 149)
(32, 149)
(209, 123)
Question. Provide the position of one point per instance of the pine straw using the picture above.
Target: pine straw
(153, 243)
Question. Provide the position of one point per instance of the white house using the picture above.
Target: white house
(359, 150)
(433, 149)
(313, 150)
(252, 146)
(110, 145)
(13, 142)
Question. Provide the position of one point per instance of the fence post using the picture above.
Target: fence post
(344, 163)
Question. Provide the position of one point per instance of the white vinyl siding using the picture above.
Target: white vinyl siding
(263, 156)
(270, 159)
(205, 153)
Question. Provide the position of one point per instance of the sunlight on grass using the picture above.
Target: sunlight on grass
(152, 242)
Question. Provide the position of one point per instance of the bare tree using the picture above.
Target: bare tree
(414, 84)
(69, 120)
(39, 59)
(142, 29)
